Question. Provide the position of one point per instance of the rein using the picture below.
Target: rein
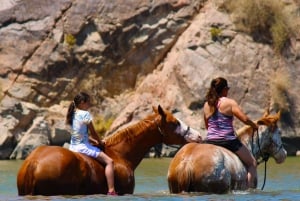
(159, 129)
(163, 135)
(265, 157)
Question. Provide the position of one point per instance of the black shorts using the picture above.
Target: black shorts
(232, 145)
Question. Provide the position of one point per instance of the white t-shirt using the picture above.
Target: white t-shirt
(80, 123)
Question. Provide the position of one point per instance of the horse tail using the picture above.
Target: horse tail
(26, 180)
(185, 176)
(180, 176)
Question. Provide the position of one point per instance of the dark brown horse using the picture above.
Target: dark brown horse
(213, 169)
(52, 170)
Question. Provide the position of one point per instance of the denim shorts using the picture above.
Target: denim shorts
(232, 145)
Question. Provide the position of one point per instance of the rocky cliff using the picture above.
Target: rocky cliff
(130, 55)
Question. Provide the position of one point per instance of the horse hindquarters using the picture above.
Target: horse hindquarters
(178, 181)
(202, 168)
(50, 170)
(25, 179)
(181, 175)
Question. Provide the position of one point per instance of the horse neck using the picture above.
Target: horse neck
(252, 140)
(136, 142)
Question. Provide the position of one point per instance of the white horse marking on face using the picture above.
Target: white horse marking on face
(190, 134)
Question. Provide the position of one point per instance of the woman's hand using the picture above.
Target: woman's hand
(102, 143)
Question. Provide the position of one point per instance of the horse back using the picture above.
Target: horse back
(53, 170)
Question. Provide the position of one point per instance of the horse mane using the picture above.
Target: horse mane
(129, 132)
(245, 130)
(268, 120)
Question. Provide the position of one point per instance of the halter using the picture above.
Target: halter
(280, 147)
(162, 133)
(265, 156)
(159, 129)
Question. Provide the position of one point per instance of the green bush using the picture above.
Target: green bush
(70, 40)
(102, 125)
(215, 33)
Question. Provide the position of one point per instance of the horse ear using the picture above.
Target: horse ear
(267, 112)
(261, 121)
(161, 111)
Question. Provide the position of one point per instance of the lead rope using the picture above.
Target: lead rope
(265, 157)
(262, 188)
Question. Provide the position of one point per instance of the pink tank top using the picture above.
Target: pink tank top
(220, 126)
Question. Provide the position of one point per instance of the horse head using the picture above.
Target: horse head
(271, 143)
(173, 130)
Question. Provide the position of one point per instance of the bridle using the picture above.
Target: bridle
(264, 156)
(163, 134)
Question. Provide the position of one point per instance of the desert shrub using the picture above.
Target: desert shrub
(70, 40)
(101, 124)
(215, 33)
(279, 86)
(265, 20)
(280, 35)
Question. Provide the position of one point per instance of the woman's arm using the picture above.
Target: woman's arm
(237, 111)
(94, 136)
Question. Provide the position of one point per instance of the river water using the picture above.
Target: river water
(282, 183)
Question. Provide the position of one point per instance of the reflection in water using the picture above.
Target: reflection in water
(282, 183)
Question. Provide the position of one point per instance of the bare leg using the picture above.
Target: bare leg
(109, 170)
(247, 158)
(252, 177)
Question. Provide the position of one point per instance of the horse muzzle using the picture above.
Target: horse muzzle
(280, 156)
(193, 136)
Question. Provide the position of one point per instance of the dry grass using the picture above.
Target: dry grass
(267, 21)
(279, 86)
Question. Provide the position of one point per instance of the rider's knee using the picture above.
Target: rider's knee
(110, 162)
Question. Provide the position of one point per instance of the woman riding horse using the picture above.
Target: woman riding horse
(199, 167)
(81, 122)
(218, 116)
(210, 168)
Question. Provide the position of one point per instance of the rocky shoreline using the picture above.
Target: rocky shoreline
(42, 132)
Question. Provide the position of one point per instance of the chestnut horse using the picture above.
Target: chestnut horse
(213, 169)
(53, 170)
